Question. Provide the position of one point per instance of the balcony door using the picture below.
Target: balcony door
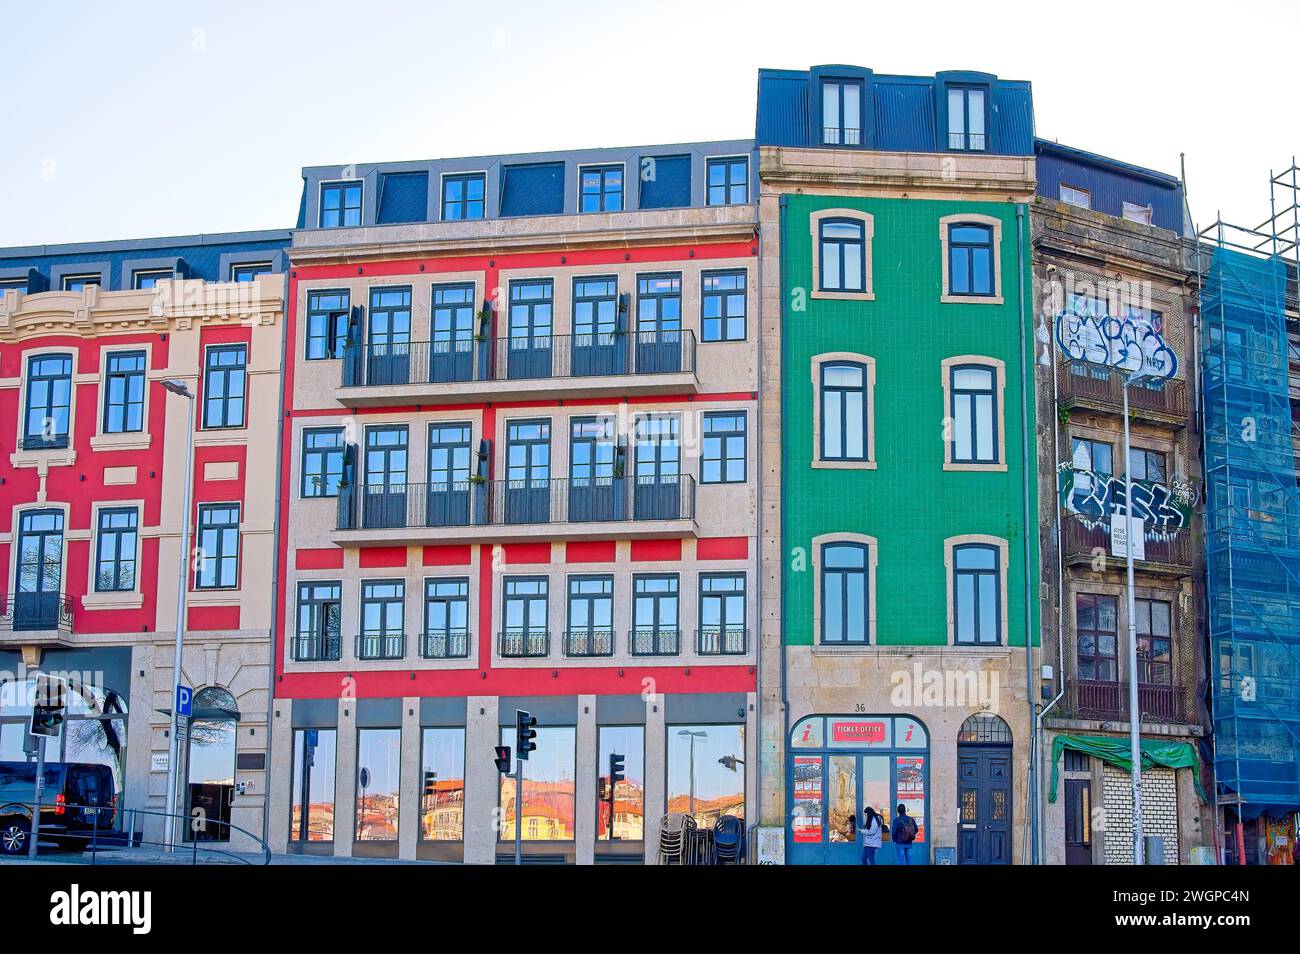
(528, 472)
(529, 345)
(659, 324)
(451, 348)
(595, 491)
(597, 337)
(657, 493)
(388, 338)
(449, 456)
(385, 497)
(40, 570)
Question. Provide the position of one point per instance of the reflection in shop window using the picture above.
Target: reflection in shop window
(312, 814)
(706, 771)
(379, 758)
(627, 802)
(442, 781)
(548, 797)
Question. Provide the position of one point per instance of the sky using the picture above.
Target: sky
(148, 119)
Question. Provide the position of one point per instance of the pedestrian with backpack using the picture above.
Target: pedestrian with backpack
(873, 829)
(903, 833)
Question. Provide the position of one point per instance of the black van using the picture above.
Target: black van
(78, 798)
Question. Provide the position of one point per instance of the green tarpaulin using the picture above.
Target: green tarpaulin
(1118, 752)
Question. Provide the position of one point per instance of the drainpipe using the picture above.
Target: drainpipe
(785, 697)
(758, 526)
(1029, 521)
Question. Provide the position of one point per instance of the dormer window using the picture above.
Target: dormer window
(841, 112)
(340, 204)
(1071, 195)
(966, 105)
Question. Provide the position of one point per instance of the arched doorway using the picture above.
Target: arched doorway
(984, 791)
(211, 764)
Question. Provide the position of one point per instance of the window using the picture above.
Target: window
(442, 785)
(841, 112)
(218, 561)
(601, 189)
(327, 324)
(974, 414)
(249, 272)
(151, 278)
(224, 379)
(590, 631)
(970, 259)
(723, 457)
(977, 595)
(655, 615)
(658, 306)
(1154, 657)
(1071, 195)
(76, 283)
(1096, 633)
(1137, 213)
(966, 118)
(620, 810)
(446, 619)
(320, 614)
(722, 614)
(383, 625)
(728, 181)
(115, 550)
(311, 815)
(49, 393)
(845, 593)
(548, 787)
(124, 392)
(842, 256)
(1146, 465)
(18, 284)
(524, 617)
(462, 197)
(340, 204)
(844, 411)
(322, 461)
(1095, 456)
(715, 786)
(722, 306)
(452, 323)
(595, 310)
(379, 775)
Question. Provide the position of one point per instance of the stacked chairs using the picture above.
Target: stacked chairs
(728, 841)
(676, 839)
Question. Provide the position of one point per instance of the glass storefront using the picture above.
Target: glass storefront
(620, 815)
(442, 780)
(838, 766)
(312, 812)
(379, 759)
(706, 771)
(549, 790)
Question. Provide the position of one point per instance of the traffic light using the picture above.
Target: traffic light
(503, 759)
(430, 784)
(48, 707)
(615, 772)
(524, 733)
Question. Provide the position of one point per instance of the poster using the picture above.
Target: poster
(910, 787)
(806, 812)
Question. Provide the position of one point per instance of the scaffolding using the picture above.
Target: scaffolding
(1252, 503)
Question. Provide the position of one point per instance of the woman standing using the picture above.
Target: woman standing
(873, 827)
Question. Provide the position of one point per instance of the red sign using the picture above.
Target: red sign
(857, 731)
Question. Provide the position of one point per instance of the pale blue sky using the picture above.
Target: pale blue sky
(165, 118)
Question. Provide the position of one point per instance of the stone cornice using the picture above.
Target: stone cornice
(910, 174)
(1104, 242)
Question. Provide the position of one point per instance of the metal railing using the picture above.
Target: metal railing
(507, 502)
(381, 645)
(649, 641)
(445, 644)
(721, 641)
(518, 358)
(1109, 700)
(1102, 387)
(524, 643)
(589, 642)
(317, 648)
(119, 835)
(37, 612)
(1172, 549)
(30, 442)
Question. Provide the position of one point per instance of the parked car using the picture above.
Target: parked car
(78, 798)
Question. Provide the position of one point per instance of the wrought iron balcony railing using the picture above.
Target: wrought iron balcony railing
(505, 502)
(381, 645)
(721, 641)
(1099, 387)
(649, 641)
(1109, 700)
(1171, 549)
(589, 642)
(524, 643)
(37, 612)
(463, 360)
(317, 648)
(445, 644)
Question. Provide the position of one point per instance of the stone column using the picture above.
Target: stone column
(411, 782)
(345, 780)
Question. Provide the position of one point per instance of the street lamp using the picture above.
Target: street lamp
(1134, 711)
(178, 387)
(693, 736)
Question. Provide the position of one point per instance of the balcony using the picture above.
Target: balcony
(326, 648)
(445, 644)
(1086, 387)
(1169, 554)
(36, 618)
(654, 642)
(589, 642)
(381, 645)
(1108, 701)
(721, 641)
(506, 510)
(550, 366)
(524, 643)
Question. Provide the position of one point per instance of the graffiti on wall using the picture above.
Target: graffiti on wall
(1095, 497)
(1134, 342)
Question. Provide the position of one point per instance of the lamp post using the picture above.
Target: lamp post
(693, 736)
(1134, 710)
(175, 386)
